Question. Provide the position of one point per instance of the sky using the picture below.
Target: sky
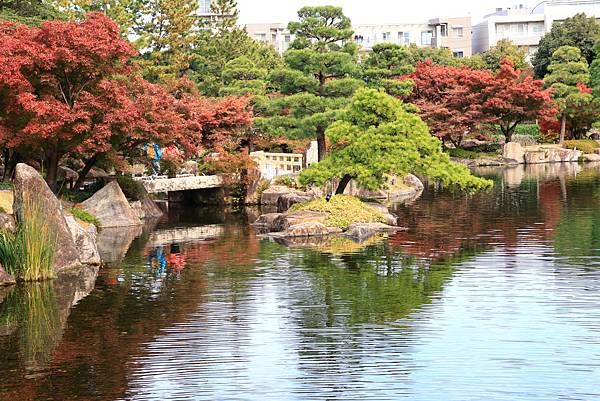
(373, 11)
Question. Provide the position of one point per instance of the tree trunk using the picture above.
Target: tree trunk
(563, 128)
(343, 184)
(321, 145)
(89, 163)
(52, 171)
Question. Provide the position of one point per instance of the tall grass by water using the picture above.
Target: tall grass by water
(29, 252)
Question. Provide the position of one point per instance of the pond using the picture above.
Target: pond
(488, 297)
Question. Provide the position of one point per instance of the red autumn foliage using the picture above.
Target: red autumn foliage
(450, 99)
(458, 101)
(512, 97)
(66, 89)
(53, 82)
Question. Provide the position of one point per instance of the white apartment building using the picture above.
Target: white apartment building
(276, 35)
(525, 26)
(451, 33)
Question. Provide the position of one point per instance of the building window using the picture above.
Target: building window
(458, 54)
(205, 6)
(387, 36)
(538, 28)
(404, 38)
(261, 37)
(458, 31)
(444, 30)
(288, 38)
(426, 37)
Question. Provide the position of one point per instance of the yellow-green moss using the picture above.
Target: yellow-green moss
(584, 145)
(343, 210)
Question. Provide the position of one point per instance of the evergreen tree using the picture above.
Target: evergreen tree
(385, 65)
(123, 12)
(375, 138)
(28, 12)
(578, 31)
(318, 77)
(568, 74)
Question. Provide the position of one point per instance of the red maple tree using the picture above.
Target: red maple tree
(450, 100)
(512, 97)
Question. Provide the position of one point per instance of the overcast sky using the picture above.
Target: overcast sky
(373, 11)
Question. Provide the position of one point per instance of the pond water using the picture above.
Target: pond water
(489, 297)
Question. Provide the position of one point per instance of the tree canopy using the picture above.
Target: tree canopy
(578, 31)
(568, 75)
(375, 138)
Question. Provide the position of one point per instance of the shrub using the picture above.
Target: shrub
(344, 210)
(6, 185)
(487, 148)
(29, 253)
(133, 190)
(84, 216)
(285, 180)
(525, 140)
(585, 145)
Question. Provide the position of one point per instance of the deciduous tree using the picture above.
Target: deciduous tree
(513, 96)
(376, 138)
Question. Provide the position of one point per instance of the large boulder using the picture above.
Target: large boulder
(84, 237)
(270, 196)
(111, 208)
(307, 229)
(7, 222)
(266, 222)
(151, 209)
(286, 220)
(535, 156)
(286, 201)
(5, 278)
(389, 217)
(363, 231)
(30, 186)
(591, 157)
(514, 150)
(138, 210)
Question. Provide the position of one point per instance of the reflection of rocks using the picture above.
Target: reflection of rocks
(513, 176)
(71, 287)
(335, 244)
(307, 229)
(186, 234)
(31, 187)
(111, 208)
(363, 231)
(113, 243)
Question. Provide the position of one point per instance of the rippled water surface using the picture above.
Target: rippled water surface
(490, 297)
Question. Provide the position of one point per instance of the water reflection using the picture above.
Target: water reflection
(491, 296)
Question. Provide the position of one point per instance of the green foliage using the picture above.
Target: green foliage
(504, 49)
(28, 12)
(6, 185)
(377, 137)
(584, 145)
(84, 216)
(578, 31)
(320, 73)
(385, 65)
(344, 210)
(132, 189)
(285, 180)
(124, 12)
(595, 71)
(29, 253)
(241, 77)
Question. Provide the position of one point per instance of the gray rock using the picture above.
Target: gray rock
(286, 201)
(266, 222)
(286, 220)
(7, 222)
(5, 278)
(514, 150)
(65, 173)
(591, 157)
(413, 181)
(271, 195)
(151, 209)
(111, 207)
(85, 241)
(363, 231)
(29, 185)
(138, 210)
(390, 218)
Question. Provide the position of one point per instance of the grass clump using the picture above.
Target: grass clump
(343, 210)
(29, 252)
(84, 216)
(584, 145)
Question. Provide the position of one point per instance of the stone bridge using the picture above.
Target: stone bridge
(185, 183)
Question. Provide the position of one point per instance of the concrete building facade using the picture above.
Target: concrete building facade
(276, 35)
(525, 26)
(451, 33)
